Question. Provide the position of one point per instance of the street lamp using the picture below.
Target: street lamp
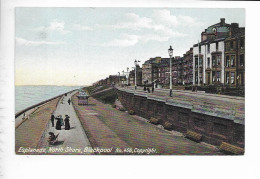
(136, 63)
(118, 78)
(123, 80)
(127, 76)
(170, 51)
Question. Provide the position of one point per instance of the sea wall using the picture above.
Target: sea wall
(215, 125)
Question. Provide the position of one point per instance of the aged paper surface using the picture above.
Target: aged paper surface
(26, 164)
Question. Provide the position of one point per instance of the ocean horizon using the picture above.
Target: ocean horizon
(28, 95)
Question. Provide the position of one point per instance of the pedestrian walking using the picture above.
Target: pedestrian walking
(58, 123)
(67, 122)
(61, 121)
(52, 120)
(152, 87)
(69, 101)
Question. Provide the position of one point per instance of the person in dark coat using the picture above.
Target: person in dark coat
(61, 120)
(152, 87)
(67, 122)
(69, 101)
(52, 120)
(58, 123)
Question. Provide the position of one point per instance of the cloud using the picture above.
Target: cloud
(164, 17)
(135, 22)
(55, 26)
(125, 41)
(24, 42)
(80, 27)
(159, 20)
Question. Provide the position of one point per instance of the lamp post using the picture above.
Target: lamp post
(119, 78)
(170, 51)
(127, 76)
(136, 63)
(123, 80)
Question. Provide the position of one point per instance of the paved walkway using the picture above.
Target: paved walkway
(232, 105)
(71, 141)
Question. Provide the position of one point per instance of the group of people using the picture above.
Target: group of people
(60, 122)
(146, 88)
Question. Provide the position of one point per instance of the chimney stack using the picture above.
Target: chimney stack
(222, 21)
(234, 29)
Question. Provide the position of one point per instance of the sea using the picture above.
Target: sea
(26, 96)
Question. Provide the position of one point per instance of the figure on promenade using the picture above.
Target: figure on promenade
(67, 122)
(52, 119)
(58, 123)
(52, 138)
(152, 87)
(69, 101)
(61, 120)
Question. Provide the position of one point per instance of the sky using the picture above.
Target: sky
(79, 46)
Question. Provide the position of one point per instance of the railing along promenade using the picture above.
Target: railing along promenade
(217, 118)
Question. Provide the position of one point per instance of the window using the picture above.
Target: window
(242, 43)
(231, 45)
(196, 77)
(227, 61)
(227, 78)
(232, 62)
(208, 48)
(216, 46)
(218, 76)
(227, 46)
(200, 62)
(213, 76)
(218, 59)
(199, 49)
(208, 62)
(213, 61)
(196, 62)
(232, 77)
(242, 61)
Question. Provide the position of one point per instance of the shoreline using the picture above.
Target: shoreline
(19, 113)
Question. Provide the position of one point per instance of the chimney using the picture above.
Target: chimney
(222, 21)
(234, 28)
(234, 25)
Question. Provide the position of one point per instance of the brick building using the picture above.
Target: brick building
(235, 57)
(138, 76)
(150, 70)
(163, 72)
(188, 67)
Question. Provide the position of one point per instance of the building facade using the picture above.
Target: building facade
(138, 76)
(235, 58)
(209, 55)
(188, 67)
(150, 71)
